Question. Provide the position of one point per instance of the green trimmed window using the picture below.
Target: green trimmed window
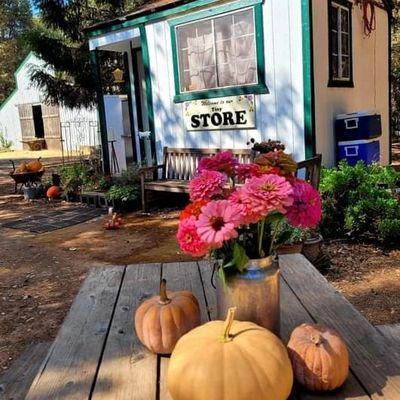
(220, 55)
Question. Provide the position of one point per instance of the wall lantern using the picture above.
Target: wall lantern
(118, 75)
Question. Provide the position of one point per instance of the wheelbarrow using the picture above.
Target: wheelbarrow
(35, 144)
(23, 178)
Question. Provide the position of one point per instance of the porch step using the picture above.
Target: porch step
(392, 335)
(16, 381)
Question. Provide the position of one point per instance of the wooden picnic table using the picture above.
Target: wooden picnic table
(97, 355)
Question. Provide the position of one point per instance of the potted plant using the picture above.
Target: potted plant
(290, 239)
(239, 225)
(312, 245)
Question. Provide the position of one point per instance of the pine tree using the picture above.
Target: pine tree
(59, 39)
(15, 21)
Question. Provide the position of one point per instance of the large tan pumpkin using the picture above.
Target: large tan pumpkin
(230, 360)
(162, 320)
(34, 166)
(319, 357)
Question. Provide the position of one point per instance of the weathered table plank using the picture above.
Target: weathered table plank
(391, 333)
(71, 364)
(294, 314)
(371, 360)
(181, 276)
(128, 371)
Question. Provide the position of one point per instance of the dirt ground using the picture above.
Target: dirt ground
(41, 274)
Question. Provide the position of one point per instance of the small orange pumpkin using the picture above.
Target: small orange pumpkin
(53, 192)
(34, 166)
(22, 168)
(162, 320)
(319, 357)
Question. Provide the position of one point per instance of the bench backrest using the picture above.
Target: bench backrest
(312, 168)
(181, 164)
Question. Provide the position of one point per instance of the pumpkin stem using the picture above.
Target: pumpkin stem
(163, 293)
(316, 338)
(226, 337)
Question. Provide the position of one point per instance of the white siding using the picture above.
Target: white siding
(371, 81)
(279, 114)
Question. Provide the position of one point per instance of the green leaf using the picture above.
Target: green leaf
(239, 258)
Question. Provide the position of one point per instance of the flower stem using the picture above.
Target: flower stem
(261, 238)
(226, 337)
(275, 232)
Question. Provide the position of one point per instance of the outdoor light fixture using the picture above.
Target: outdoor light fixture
(118, 75)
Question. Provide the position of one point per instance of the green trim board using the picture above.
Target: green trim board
(259, 88)
(15, 90)
(149, 91)
(308, 79)
(116, 25)
(94, 60)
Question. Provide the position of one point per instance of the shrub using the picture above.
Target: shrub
(5, 144)
(123, 194)
(356, 201)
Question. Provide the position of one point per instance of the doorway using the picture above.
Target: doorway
(38, 121)
(142, 107)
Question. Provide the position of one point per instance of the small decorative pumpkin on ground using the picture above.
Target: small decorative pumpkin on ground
(53, 192)
(319, 357)
(230, 360)
(34, 166)
(162, 320)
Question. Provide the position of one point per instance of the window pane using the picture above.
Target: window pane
(346, 67)
(345, 44)
(208, 77)
(335, 67)
(223, 27)
(246, 72)
(335, 43)
(345, 20)
(243, 23)
(225, 52)
(226, 75)
(334, 17)
(186, 34)
(245, 48)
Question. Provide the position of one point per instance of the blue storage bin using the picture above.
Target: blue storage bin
(365, 150)
(357, 126)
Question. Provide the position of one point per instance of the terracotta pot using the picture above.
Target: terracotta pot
(290, 248)
(255, 294)
(312, 248)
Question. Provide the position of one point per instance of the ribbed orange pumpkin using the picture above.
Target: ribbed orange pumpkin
(162, 320)
(319, 357)
(53, 192)
(34, 166)
(231, 360)
(22, 168)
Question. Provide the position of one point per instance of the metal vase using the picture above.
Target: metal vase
(255, 294)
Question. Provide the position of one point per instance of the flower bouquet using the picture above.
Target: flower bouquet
(236, 211)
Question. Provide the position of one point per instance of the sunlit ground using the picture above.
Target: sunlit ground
(24, 154)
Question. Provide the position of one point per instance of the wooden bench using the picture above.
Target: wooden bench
(179, 166)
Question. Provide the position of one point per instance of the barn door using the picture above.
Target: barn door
(26, 120)
(52, 128)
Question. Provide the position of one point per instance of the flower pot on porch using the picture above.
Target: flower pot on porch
(254, 292)
(312, 248)
(290, 248)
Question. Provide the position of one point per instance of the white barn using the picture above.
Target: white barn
(24, 116)
(296, 64)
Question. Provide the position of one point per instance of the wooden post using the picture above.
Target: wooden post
(94, 59)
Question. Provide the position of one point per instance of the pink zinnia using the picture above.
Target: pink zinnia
(218, 222)
(306, 209)
(247, 171)
(267, 193)
(189, 240)
(247, 213)
(221, 162)
(207, 185)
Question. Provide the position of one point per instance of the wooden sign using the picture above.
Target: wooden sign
(235, 112)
